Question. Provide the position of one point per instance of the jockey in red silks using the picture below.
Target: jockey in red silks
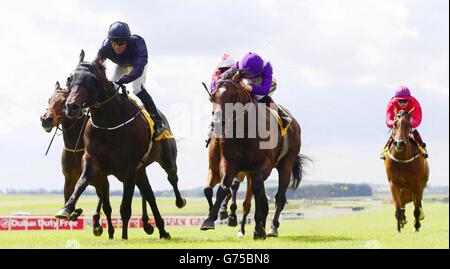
(403, 100)
(224, 62)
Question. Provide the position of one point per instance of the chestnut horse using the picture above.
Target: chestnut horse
(407, 171)
(71, 160)
(253, 155)
(117, 142)
(214, 179)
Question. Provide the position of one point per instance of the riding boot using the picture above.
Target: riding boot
(284, 116)
(385, 149)
(422, 145)
(149, 105)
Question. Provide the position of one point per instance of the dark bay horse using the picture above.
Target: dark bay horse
(71, 160)
(117, 142)
(407, 171)
(214, 179)
(253, 155)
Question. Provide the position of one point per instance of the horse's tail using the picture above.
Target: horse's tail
(298, 171)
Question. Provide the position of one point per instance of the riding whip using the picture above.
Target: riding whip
(51, 141)
(206, 88)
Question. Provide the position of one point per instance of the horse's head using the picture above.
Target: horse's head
(401, 130)
(229, 91)
(55, 110)
(87, 87)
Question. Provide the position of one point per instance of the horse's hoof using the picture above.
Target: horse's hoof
(75, 214)
(148, 228)
(259, 235)
(240, 234)
(98, 231)
(223, 214)
(422, 214)
(232, 220)
(208, 225)
(165, 236)
(63, 213)
(273, 232)
(181, 203)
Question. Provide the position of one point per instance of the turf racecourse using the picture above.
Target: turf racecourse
(373, 227)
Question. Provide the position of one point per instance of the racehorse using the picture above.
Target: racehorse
(214, 179)
(71, 160)
(407, 171)
(117, 142)
(247, 154)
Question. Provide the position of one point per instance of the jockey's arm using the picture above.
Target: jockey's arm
(416, 114)
(266, 82)
(138, 65)
(390, 115)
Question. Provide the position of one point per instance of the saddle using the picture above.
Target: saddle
(151, 123)
(283, 127)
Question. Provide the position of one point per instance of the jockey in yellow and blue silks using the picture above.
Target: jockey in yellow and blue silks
(130, 54)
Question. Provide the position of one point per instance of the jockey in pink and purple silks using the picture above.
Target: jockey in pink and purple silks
(403, 100)
(257, 79)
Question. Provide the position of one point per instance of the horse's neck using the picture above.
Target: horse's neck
(71, 132)
(406, 153)
(113, 113)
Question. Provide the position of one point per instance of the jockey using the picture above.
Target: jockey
(129, 52)
(257, 79)
(223, 63)
(403, 100)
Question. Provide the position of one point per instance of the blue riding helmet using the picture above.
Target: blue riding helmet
(253, 64)
(119, 30)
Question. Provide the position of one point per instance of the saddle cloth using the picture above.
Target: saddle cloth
(283, 129)
(165, 135)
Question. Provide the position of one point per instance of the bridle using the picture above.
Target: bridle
(391, 156)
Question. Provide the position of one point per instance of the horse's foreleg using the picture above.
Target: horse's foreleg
(90, 170)
(98, 229)
(418, 212)
(396, 197)
(232, 219)
(228, 173)
(69, 187)
(147, 192)
(261, 207)
(246, 205)
(127, 198)
(107, 207)
(208, 191)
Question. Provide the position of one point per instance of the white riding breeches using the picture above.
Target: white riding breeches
(136, 84)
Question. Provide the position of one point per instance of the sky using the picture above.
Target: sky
(337, 64)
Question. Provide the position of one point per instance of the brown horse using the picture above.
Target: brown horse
(407, 171)
(71, 160)
(253, 154)
(214, 179)
(117, 142)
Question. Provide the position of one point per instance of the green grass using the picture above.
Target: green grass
(373, 227)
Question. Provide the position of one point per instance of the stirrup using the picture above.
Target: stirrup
(159, 130)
